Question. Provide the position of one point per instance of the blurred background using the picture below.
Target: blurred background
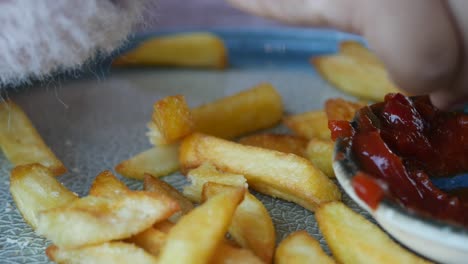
(169, 14)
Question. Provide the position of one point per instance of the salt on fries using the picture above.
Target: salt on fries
(251, 225)
(313, 124)
(111, 252)
(34, 189)
(278, 174)
(353, 239)
(20, 141)
(195, 237)
(157, 161)
(300, 248)
(283, 143)
(356, 71)
(184, 50)
(94, 219)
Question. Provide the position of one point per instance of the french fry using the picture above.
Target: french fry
(34, 189)
(20, 141)
(313, 124)
(92, 220)
(257, 108)
(283, 143)
(172, 119)
(251, 225)
(164, 226)
(107, 185)
(300, 248)
(227, 254)
(278, 174)
(358, 51)
(197, 235)
(356, 74)
(150, 240)
(111, 252)
(353, 239)
(340, 109)
(152, 184)
(208, 173)
(157, 161)
(320, 153)
(184, 50)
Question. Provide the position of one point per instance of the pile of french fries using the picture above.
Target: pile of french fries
(216, 218)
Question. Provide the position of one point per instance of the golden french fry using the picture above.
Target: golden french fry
(195, 238)
(208, 173)
(320, 153)
(92, 220)
(353, 239)
(20, 141)
(34, 189)
(157, 161)
(356, 74)
(227, 254)
(150, 240)
(300, 248)
(257, 108)
(340, 109)
(313, 124)
(111, 252)
(358, 51)
(283, 143)
(164, 226)
(196, 49)
(172, 119)
(278, 174)
(251, 225)
(152, 184)
(106, 184)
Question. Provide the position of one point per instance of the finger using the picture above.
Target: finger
(322, 13)
(416, 40)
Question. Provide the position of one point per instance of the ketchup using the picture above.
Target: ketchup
(400, 144)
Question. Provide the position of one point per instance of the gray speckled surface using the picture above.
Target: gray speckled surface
(93, 124)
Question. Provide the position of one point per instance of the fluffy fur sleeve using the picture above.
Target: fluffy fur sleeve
(38, 37)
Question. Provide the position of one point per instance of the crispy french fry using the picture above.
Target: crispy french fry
(208, 173)
(356, 74)
(20, 141)
(184, 50)
(92, 220)
(320, 153)
(152, 184)
(150, 240)
(340, 109)
(257, 108)
(112, 252)
(353, 239)
(157, 161)
(251, 225)
(300, 248)
(358, 51)
(34, 188)
(313, 124)
(271, 172)
(227, 254)
(106, 184)
(283, 143)
(197, 235)
(172, 119)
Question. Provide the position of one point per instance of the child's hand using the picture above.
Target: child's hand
(422, 42)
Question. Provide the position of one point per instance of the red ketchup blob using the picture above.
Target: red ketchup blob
(399, 144)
